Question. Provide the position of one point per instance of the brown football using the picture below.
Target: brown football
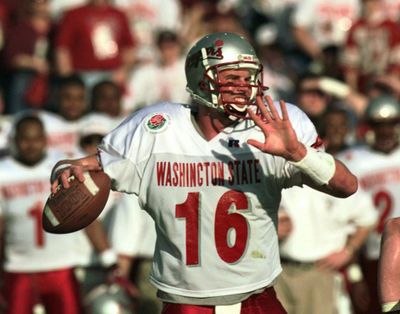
(72, 209)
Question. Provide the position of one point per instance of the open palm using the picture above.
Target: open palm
(280, 138)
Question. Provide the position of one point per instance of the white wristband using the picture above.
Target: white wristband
(108, 258)
(391, 307)
(318, 165)
(334, 87)
(354, 273)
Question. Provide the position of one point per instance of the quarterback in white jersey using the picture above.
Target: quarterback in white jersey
(211, 176)
(208, 191)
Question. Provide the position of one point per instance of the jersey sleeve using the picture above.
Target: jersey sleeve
(132, 232)
(123, 152)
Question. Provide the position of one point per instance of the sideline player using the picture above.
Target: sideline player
(377, 165)
(210, 175)
(38, 266)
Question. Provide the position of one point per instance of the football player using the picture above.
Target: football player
(377, 165)
(38, 267)
(210, 174)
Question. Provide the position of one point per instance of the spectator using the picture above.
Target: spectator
(95, 41)
(162, 81)
(147, 18)
(319, 23)
(372, 47)
(26, 54)
(277, 72)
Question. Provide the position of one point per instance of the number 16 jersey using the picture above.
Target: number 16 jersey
(214, 202)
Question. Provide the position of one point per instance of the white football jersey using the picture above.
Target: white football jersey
(214, 202)
(62, 135)
(379, 175)
(132, 230)
(321, 222)
(23, 193)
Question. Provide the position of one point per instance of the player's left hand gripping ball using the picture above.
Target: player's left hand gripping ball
(72, 209)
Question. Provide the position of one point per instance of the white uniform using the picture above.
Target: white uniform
(321, 222)
(23, 193)
(62, 135)
(153, 83)
(327, 21)
(214, 202)
(379, 175)
(132, 232)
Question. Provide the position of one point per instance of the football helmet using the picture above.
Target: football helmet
(108, 299)
(383, 108)
(215, 53)
(383, 119)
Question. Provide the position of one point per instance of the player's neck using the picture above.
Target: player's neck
(209, 122)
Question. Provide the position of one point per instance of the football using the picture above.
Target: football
(69, 210)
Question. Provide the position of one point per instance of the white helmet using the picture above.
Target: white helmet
(108, 299)
(213, 54)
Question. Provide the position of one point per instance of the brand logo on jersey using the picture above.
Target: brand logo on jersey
(233, 143)
(157, 122)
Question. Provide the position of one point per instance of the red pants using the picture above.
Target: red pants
(263, 303)
(57, 291)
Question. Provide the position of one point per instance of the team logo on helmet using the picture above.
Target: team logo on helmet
(211, 53)
(156, 122)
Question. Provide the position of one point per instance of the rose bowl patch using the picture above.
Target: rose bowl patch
(156, 122)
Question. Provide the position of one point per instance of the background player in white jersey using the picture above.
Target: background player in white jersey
(321, 236)
(211, 174)
(38, 267)
(98, 274)
(133, 237)
(63, 127)
(377, 166)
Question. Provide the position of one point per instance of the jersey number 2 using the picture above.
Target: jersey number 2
(227, 219)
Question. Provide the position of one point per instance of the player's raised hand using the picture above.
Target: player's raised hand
(280, 137)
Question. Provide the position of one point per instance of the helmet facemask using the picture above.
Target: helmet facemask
(218, 89)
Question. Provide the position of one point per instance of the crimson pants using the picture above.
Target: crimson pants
(263, 303)
(57, 291)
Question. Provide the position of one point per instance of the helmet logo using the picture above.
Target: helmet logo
(156, 122)
(211, 53)
(219, 43)
(244, 57)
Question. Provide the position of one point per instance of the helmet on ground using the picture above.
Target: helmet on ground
(383, 108)
(108, 299)
(215, 53)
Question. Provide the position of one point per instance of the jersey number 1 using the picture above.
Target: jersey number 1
(227, 219)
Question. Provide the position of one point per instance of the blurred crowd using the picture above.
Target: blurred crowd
(72, 70)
